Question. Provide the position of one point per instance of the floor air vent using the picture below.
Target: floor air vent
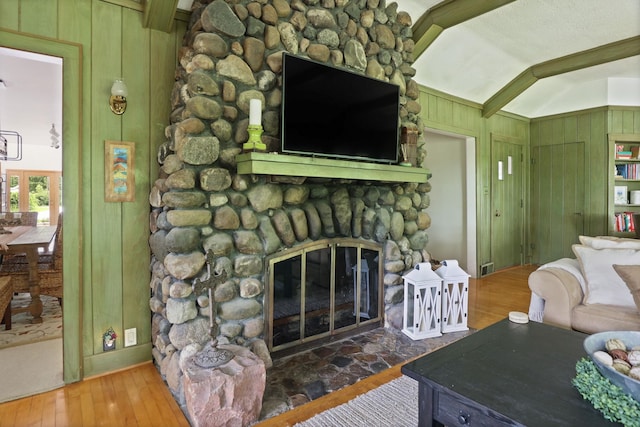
(486, 269)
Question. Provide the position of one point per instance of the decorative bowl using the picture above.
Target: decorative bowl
(597, 342)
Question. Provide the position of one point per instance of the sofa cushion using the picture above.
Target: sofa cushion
(630, 274)
(600, 318)
(604, 286)
(609, 242)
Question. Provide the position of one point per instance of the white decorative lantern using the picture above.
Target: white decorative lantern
(422, 302)
(455, 296)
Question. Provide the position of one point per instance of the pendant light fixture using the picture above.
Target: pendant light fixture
(55, 137)
(9, 138)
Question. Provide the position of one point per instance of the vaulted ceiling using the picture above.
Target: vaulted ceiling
(530, 57)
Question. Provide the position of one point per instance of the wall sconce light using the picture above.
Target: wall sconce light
(118, 99)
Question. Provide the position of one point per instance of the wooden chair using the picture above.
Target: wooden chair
(49, 270)
(14, 219)
(6, 294)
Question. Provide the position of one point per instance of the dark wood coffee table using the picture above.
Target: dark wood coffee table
(508, 374)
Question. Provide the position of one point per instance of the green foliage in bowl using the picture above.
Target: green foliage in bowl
(614, 404)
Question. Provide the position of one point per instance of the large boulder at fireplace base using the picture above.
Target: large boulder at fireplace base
(226, 396)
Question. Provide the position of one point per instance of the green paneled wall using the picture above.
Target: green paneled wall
(447, 113)
(565, 189)
(110, 239)
(624, 120)
(581, 133)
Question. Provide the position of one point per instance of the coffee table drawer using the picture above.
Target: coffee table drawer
(453, 411)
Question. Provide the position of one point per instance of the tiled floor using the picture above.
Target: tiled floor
(297, 379)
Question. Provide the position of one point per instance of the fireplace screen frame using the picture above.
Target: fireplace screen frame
(365, 320)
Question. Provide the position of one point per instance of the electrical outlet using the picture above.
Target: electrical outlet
(130, 337)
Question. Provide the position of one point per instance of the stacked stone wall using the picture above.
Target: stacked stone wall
(233, 53)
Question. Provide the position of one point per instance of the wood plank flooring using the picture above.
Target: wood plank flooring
(139, 397)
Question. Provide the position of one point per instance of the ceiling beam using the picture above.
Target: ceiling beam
(576, 61)
(445, 15)
(159, 14)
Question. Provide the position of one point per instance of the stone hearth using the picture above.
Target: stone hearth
(200, 203)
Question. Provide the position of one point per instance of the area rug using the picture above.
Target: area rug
(392, 404)
(23, 331)
(30, 369)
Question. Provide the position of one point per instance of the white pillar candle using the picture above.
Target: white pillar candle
(255, 112)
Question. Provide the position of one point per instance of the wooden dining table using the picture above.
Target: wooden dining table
(28, 240)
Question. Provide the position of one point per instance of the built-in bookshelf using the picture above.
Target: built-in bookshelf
(624, 184)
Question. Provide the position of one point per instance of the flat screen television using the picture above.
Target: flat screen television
(330, 112)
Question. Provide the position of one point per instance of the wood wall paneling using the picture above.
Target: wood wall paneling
(574, 195)
(106, 218)
(534, 195)
(584, 134)
(447, 113)
(578, 148)
(74, 24)
(507, 203)
(624, 120)
(9, 15)
(556, 195)
(39, 17)
(597, 160)
(137, 73)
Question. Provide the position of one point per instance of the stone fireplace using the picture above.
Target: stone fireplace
(260, 226)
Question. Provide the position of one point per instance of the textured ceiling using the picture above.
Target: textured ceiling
(476, 58)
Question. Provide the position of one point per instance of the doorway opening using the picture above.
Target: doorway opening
(31, 103)
(451, 159)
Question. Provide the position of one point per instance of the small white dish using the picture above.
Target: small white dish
(518, 317)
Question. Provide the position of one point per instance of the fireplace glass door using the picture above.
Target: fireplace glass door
(322, 289)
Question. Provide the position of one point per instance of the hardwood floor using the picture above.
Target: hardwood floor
(131, 397)
(139, 397)
(492, 297)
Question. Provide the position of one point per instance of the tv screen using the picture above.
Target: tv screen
(331, 112)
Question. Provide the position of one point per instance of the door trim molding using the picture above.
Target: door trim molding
(72, 129)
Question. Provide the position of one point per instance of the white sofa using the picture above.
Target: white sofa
(587, 294)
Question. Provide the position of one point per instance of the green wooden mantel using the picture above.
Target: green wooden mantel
(315, 167)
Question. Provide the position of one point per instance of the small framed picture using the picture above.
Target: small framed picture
(119, 172)
(620, 195)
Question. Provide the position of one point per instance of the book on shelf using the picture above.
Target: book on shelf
(628, 171)
(624, 222)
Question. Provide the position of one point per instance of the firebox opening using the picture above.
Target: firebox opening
(321, 290)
